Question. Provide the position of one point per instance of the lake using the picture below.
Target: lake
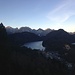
(35, 45)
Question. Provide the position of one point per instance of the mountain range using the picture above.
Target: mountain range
(39, 31)
(15, 59)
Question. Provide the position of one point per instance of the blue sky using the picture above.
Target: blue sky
(36, 14)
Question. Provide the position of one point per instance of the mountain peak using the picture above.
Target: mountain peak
(60, 30)
(1, 24)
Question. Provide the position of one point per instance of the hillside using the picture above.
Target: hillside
(22, 38)
(56, 40)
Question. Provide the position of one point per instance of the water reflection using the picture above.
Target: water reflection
(35, 45)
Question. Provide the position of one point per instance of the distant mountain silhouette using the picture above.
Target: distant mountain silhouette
(57, 39)
(39, 31)
(11, 30)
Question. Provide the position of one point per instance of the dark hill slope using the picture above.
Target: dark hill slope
(24, 37)
(57, 39)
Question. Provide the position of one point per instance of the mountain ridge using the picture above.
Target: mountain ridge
(56, 40)
(39, 31)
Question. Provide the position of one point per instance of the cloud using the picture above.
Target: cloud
(62, 12)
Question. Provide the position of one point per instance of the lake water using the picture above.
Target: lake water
(35, 45)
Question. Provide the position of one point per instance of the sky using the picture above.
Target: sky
(53, 14)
